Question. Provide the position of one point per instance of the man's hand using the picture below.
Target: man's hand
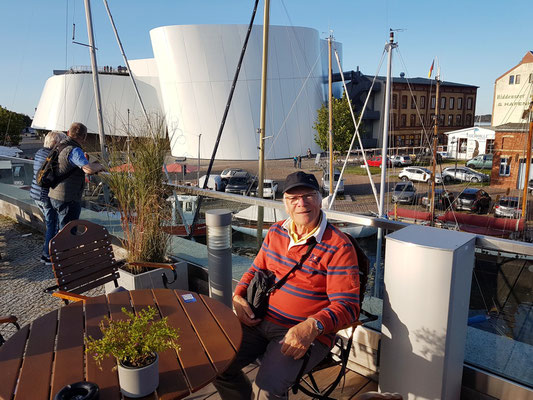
(93, 168)
(298, 339)
(244, 311)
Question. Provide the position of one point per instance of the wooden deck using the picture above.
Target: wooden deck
(354, 384)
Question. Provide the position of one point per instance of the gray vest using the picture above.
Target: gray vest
(71, 189)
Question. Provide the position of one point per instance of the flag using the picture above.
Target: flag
(431, 69)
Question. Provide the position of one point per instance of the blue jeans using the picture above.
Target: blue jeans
(66, 211)
(50, 221)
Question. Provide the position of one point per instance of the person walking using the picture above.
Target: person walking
(299, 161)
(309, 154)
(295, 161)
(73, 165)
(40, 195)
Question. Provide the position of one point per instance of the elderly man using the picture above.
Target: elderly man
(73, 165)
(304, 314)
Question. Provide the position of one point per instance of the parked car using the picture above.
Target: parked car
(240, 183)
(530, 186)
(401, 161)
(214, 182)
(427, 159)
(444, 200)
(508, 207)
(444, 155)
(325, 182)
(404, 192)
(473, 199)
(481, 161)
(463, 174)
(376, 161)
(229, 172)
(418, 174)
(270, 188)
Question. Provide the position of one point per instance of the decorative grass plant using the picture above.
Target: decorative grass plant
(136, 180)
(133, 341)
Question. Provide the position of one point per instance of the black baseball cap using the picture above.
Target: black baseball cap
(300, 178)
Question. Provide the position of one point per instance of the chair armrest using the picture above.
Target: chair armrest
(69, 296)
(9, 319)
(159, 265)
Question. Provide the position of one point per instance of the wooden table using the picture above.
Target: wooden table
(43, 357)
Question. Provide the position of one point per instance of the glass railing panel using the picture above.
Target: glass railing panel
(16, 171)
(500, 323)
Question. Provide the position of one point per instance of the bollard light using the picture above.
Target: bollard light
(219, 254)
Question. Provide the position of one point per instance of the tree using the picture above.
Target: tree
(11, 125)
(343, 126)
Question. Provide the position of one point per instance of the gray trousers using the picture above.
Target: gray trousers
(276, 372)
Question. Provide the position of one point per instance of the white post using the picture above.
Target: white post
(428, 272)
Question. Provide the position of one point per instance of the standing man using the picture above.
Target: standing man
(295, 161)
(40, 195)
(316, 301)
(73, 164)
(300, 162)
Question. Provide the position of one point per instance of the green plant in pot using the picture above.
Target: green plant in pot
(136, 180)
(135, 342)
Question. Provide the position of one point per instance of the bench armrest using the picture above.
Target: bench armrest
(159, 265)
(69, 296)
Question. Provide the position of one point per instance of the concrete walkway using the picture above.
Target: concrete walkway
(23, 277)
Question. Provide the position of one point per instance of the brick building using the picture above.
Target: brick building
(412, 107)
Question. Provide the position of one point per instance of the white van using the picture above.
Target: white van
(214, 183)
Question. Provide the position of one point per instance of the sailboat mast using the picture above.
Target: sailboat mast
(528, 159)
(388, 47)
(96, 83)
(434, 148)
(260, 210)
(330, 108)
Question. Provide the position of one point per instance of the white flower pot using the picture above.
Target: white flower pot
(138, 382)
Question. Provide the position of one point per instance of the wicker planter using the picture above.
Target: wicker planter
(139, 382)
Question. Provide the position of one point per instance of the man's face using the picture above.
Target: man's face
(303, 206)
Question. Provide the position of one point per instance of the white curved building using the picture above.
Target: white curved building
(189, 81)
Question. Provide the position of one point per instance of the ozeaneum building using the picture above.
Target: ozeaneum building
(188, 82)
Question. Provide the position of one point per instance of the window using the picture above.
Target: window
(433, 101)
(394, 121)
(468, 121)
(452, 102)
(394, 101)
(423, 98)
(403, 120)
(462, 145)
(511, 79)
(404, 102)
(412, 120)
(423, 119)
(443, 103)
(450, 120)
(505, 166)
(458, 120)
(442, 117)
(413, 102)
(489, 147)
(469, 103)
(460, 103)
(517, 79)
(530, 78)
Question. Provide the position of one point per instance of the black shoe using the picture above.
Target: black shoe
(45, 260)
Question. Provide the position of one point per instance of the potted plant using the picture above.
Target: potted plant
(136, 180)
(135, 343)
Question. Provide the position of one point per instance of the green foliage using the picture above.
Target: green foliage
(343, 126)
(133, 340)
(11, 126)
(139, 192)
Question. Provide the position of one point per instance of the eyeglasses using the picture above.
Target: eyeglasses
(306, 197)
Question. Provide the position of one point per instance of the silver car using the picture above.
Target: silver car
(463, 174)
(508, 207)
(404, 192)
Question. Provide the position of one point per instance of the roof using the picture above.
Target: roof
(512, 127)
(528, 58)
(422, 81)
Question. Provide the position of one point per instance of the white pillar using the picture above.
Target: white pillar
(428, 272)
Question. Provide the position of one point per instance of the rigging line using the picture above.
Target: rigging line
(294, 103)
(300, 47)
(356, 132)
(223, 122)
(413, 97)
(66, 63)
(130, 72)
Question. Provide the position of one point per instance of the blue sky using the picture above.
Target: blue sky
(475, 41)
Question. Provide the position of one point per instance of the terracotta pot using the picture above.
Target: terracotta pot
(138, 382)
